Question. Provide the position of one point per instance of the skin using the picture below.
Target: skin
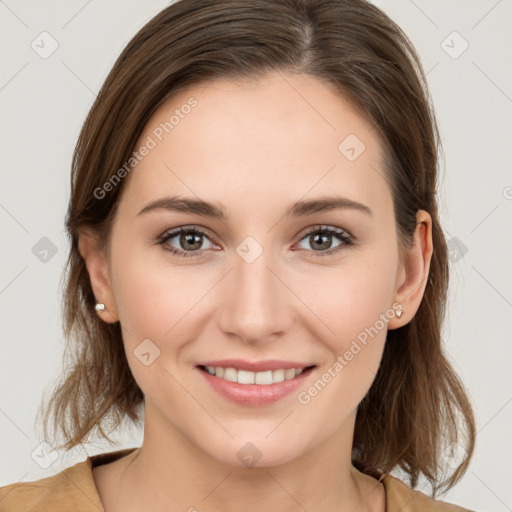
(254, 147)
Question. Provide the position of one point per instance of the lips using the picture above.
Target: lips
(255, 383)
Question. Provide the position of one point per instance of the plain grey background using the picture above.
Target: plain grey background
(55, 57)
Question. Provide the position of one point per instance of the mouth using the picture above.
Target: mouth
(262, 378)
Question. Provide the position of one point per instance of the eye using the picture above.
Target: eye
(190, 238)
(320, 237)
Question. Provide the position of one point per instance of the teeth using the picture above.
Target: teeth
(246, 377)
(289, 374)
(229, 374)
(278, 375)
(264, 377)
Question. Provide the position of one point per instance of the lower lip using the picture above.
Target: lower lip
(255, 394)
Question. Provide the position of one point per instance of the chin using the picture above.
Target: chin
(254, 452)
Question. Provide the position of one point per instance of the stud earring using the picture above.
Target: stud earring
(399, 313)
(100, 307)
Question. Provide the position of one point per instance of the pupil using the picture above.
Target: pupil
(325, 244)
(189, 241)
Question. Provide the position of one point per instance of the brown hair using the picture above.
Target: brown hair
(416, 405)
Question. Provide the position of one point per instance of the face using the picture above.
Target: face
(309, 288)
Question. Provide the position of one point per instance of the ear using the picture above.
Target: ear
(413, 273)
(97, 266)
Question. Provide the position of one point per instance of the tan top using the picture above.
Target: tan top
(74, 490)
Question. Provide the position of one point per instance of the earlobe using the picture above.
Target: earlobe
(96, 263)
(415, 272)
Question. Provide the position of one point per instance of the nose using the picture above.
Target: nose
(256, 305)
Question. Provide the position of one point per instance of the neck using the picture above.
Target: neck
(169, 473)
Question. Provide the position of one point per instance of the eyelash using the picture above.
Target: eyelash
(340, 233)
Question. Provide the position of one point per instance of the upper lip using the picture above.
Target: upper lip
(255, 366)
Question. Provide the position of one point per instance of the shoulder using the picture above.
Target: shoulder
(400, 497)
(72, 490)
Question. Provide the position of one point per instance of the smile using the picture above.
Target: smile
(247, 377)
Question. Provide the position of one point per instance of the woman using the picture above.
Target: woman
(258, 272)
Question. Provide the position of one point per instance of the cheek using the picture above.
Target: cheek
(151, 297)
(356, 311)
(352, 299)
(152, 303)
(355, 306)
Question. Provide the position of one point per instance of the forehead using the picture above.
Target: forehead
(258, 142)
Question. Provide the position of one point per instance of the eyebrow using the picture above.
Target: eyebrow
(216, 211)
